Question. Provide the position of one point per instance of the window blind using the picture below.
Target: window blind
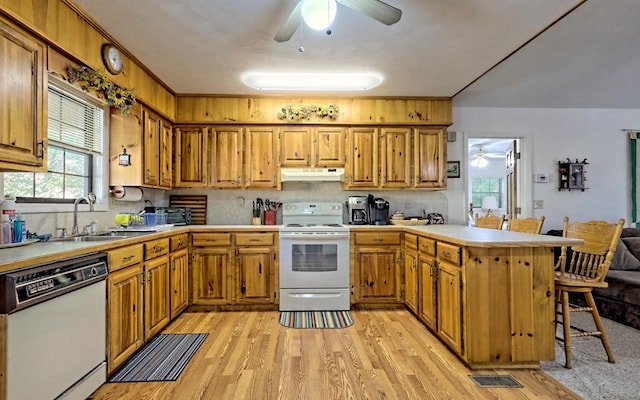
(74, 123)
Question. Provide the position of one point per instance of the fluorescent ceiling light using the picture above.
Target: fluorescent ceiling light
(318, 14)
(311, 81)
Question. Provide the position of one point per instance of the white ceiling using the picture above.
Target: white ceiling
(590, 58)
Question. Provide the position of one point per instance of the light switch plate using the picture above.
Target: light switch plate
(538, 204)
(542, 178)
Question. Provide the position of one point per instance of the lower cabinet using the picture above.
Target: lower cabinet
(450, 305)
(125, 305)
(427, 279)
(411, 268)
(179, 274)
(376, 267)
(234, 268)
(156, 296)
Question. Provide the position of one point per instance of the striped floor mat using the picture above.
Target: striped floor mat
(316, 319)
(162, 359)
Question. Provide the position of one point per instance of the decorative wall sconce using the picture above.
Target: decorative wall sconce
(124, 159)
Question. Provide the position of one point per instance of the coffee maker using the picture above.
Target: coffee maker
(357, 207)
(379, 211)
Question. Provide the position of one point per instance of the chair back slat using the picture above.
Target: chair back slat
(526, 225)
(591, 260)
(490, 221)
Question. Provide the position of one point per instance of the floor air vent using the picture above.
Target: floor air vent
(494, 381)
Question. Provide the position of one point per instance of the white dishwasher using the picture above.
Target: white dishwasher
(55, 329)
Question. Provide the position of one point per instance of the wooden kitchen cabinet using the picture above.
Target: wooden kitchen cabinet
(148, 139)
(376, 267)
(23, 83)
(427, 280)
(449, 295)
(156, 286)
(260, 166)
(395, 158)
(256, 255)
(226, 157)
(125, 305)
(212, 273)
(362, 158)
(411, 268)
(179, 274)
(192, 157)
(307, 146)
(430, 158)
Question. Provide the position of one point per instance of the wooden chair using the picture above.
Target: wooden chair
(490, 221)
(526, 225)
(581, 271)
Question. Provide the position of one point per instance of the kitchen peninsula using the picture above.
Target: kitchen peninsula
(487, 294)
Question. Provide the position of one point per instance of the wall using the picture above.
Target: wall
(551, 135)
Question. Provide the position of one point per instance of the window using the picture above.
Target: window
(482, 187)
(75, 146)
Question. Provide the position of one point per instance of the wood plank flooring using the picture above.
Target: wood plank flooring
(386, 354)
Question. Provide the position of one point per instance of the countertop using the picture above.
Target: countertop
(43, 252)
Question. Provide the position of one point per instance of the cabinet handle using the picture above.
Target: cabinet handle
(377, 239)
(446, 254)
(254, 240)
(127, 258)
(41, 149)
(260, 269)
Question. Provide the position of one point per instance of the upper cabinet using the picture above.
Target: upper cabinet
(192, 154)
(22, 100)
(148, 139)
(226, 157)
(260, 167)
(305, 146)
(396, 158)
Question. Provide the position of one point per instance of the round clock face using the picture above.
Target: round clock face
(112, 59)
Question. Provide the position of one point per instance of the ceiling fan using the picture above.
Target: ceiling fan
(375, 9)
(479, 158)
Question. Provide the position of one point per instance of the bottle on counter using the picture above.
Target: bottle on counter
(8, 206)
(19, 229)
(7, 228)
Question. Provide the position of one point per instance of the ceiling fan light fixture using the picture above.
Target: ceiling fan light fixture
(306, 81)
(318, 14)
(479, 162)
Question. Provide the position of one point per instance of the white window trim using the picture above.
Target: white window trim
(100, 162)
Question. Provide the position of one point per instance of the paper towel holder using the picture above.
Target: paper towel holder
(120, 193)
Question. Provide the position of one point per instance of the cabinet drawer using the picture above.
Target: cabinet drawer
(179, 241)
(254, 239)
(427, 246)
(449, 252)
(204, 239)
(377, 238)
(411, 241)
(156, 248)
(125, 256)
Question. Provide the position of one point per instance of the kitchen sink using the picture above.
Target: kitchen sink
(90, 238)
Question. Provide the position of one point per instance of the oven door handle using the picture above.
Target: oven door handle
(315, 237)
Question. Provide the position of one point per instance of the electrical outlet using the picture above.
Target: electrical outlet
(538, 204)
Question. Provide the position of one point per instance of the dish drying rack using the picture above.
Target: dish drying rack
(133, 220)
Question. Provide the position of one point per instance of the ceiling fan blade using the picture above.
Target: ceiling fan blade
(375, 9)
(290, 25)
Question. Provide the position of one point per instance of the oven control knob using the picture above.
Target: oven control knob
(94, 271)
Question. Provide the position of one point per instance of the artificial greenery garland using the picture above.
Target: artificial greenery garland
(298, 112)
(120, 98)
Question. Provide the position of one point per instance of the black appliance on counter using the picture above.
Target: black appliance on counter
(379, 211)
(175, 215)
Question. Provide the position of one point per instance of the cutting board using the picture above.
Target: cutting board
(197, 204)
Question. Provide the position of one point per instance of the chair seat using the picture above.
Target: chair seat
(577, 281)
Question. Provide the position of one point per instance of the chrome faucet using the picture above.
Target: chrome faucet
(89, 199)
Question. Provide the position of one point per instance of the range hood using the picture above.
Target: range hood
(312, 174)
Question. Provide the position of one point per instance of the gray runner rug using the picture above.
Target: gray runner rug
(162, 359)
(316, 319)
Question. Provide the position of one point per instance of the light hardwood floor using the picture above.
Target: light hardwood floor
(384, 355)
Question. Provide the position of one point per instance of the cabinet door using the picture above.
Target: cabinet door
(450, 305)
(255, 280)
(166, 155)
(260, 165)
(226, 153)
(179, 282)
(395, 154)
(362, 158)
(427, 300)
(211, 278)
(295, 143)
(22, 100)
(377, 274)
(156, 296)
(328, 147)
(124, 315)
(430, 158)
(411, 279)
(191, 157)
(151, 147)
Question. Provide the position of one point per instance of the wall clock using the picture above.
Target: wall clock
(112, 58)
